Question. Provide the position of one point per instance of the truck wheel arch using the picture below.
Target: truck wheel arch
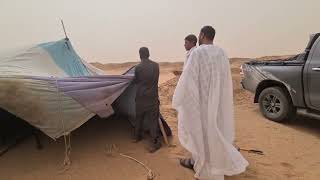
(270, 83)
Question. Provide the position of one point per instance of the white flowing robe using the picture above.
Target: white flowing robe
(204, 101)
(187, 56)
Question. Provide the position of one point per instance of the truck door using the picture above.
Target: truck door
(312, 77)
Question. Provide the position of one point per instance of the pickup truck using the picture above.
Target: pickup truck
(284, 88)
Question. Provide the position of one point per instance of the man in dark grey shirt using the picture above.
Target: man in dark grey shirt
(147, 99)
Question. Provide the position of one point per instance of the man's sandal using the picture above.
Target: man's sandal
(187, 163)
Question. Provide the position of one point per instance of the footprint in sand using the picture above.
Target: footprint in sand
(264, 164)
(287, 165)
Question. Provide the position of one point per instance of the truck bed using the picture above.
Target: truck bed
(276, 63)
(288, 73)
(296, 60)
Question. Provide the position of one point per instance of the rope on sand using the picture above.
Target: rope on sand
(66, 135)
(113, 148)
(150, 175)
(67, 162)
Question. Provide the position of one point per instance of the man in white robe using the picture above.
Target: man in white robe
(204, 101)
(190, 43)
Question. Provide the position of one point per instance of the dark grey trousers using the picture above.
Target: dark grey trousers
(149, 118)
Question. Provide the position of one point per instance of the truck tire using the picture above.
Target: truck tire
(275, 104)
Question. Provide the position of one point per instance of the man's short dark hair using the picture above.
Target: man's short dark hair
(191, 38)
(209, 32)
(144, 53)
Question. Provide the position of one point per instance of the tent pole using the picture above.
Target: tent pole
(65, 33)
(64, 29)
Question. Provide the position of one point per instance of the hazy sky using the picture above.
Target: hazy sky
(113, 31)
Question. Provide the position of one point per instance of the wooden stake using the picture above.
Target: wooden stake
(163, 132)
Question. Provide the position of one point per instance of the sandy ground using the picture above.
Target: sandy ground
(291, 149)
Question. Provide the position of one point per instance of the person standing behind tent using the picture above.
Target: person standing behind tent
(190, 43)
(204, 101)
(147, 99)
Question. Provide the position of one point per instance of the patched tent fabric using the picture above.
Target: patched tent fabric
(53, 89)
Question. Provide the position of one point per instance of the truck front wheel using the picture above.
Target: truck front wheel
(275, 104)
